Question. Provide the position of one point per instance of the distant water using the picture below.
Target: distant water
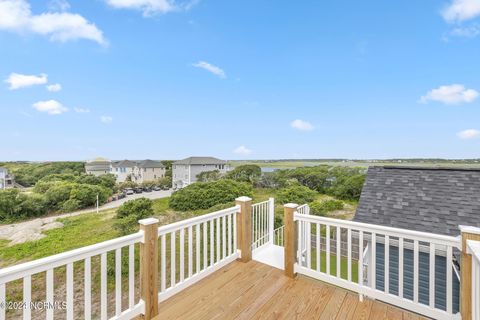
(268, 169)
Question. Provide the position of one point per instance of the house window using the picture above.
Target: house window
(186, 176)
(154, 176)
(144, 169)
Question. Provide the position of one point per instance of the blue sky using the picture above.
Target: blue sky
(239, 79)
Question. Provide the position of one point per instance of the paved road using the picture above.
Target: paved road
(32, 229)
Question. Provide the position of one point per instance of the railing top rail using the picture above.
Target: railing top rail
(196, 220)
(260, 203)
(40, 265)
(396, 232)
(473, 247)
(302, 206)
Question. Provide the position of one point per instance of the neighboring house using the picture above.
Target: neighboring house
(123, 169)
(6, 180)
(184, 172)
(434, 200)
(147, 171)
(98, 166)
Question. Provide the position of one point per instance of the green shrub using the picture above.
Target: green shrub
(130, 212)
(208, 176)
(70, 205)
(322, 208)
(246, 173)
(296, 194)
(203, 195)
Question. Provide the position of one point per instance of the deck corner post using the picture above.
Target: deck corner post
(467, 233)
(290, 237)
(149, 267)
(244, 228)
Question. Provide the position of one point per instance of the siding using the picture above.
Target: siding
(423, 277)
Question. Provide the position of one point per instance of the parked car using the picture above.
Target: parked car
(157, 188)
(138, 190)
(129, 191)
(121, 195)
(147, 189)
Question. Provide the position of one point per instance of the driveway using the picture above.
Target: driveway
(32, 229)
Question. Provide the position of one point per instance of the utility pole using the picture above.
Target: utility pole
(97, 202)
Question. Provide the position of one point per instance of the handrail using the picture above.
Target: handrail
(473, 248)
(196, 220)
(396, 232)
(40, 265)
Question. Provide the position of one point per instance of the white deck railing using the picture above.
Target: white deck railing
(263, 215)
(473, 248)
(329, 266)
(194, 248)
(50, 265)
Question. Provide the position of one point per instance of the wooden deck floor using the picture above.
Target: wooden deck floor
(257, 291)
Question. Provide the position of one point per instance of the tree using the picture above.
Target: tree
(208, 176)
(130, 212)
(204, 195)
(168, 168)
(296, 194)
(246, 173)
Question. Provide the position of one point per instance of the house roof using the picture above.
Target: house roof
(124, 164)
(150, 164)
(200, 160)
(434, 200)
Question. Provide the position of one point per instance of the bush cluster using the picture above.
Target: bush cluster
(203, 195)
(130, 212)
(321, 208)
(296, 194)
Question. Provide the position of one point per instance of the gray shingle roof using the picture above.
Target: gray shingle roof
(200, 160)
(434, 200)
(124, 164)
(150, 164)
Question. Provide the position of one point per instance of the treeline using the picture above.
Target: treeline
(55, 193)
(27, 174)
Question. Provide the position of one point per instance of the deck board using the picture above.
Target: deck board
(256, 291)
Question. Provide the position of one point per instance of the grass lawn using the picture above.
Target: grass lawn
(333, 265)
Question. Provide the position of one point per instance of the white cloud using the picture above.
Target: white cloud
(58, 5)
(211, 68)
(81, 110)
(54, 87)
(450, 94)
(106, 119)
(301, 125)
(16, 16)
(461, 10)
(17, 81)
(242, 150)
(469, 134)
(466, 32)
(52, 107)
(152, 7)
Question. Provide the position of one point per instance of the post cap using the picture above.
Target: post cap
(290, 205)
(469, 229)
(243, 199)
(148, 221)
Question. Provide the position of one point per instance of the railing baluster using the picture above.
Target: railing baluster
(230, 234)
(373, 261)
(205, 243)
(182, 255)
(224, 237)
(327, 238)
(70, 291)
(386, 279)
(415, 271)
(131, 276)
(190, 251)
(449, 279)
(308, 236)
(319, 251)
(50, 290)
(197, 248)
(2, 299)
(27, 297)
(163, 262)
(431, 282)
(212, 252)
(234, 218)
(349, 254)
(103, 286)
(118, 281)
(87, 288)
(218, 240)
(360, 262)
(173, 263)
(339, 251)
(400, 267)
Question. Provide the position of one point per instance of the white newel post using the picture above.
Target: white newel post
(271, 217)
